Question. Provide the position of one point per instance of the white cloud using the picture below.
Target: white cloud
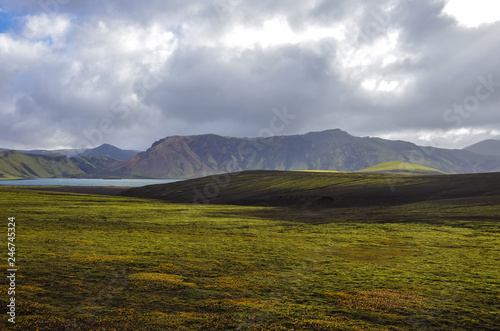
(277, 31)
(367, 64)
(45, 26)
(72, 81)
(349, 64)
(369, 84)
(473, 13)
(388, 86)
(19, 54)
(454, 138)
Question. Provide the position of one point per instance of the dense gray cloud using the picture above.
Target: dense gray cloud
(81, 73)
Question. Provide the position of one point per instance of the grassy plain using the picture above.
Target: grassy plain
(89, 262)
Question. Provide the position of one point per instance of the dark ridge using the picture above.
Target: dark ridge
(333, 190)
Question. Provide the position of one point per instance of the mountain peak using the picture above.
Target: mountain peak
(110, 151)
(486, 147)
(329, 132)
(107, 146)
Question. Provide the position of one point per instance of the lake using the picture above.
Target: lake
(86, 182)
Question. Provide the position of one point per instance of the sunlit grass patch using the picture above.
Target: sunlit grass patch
(80, 256)
(82, 243)
(379, 299)
(368, 254)
(153, 278)
(243, 302)
(225, 283)
(191, 265)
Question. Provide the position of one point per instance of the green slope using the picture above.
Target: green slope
(95, 166)
(16, 165)
(399, 167)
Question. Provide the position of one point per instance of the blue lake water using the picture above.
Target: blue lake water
(86, 182)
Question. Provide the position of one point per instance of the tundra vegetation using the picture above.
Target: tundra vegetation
(94, 262)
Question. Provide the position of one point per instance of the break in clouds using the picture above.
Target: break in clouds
(77, 73)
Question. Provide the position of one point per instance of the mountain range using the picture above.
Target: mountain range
(94, 162)
(201, 155)
(103, 150)
(195, 156)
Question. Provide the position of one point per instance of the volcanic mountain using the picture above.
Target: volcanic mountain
(200, 155)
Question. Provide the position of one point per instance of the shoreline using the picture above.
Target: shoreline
(95, 190)
(1, 179)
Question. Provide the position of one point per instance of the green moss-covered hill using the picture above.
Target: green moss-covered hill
(17, 165)
(399, 167)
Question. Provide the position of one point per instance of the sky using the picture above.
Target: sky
(76, 74)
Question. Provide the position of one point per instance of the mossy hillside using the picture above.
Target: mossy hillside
(95, 166)
(15, 165)
(97, 262)
(401, 167)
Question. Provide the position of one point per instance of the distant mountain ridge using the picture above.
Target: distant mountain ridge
(106, 150)
(485, 147)
(94, 162)
(200, 155)
(65, 152)
(109, 151)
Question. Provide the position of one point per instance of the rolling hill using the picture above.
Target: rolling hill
(398, 167)
(321, 189)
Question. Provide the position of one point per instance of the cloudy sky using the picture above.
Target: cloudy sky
(82, 73)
